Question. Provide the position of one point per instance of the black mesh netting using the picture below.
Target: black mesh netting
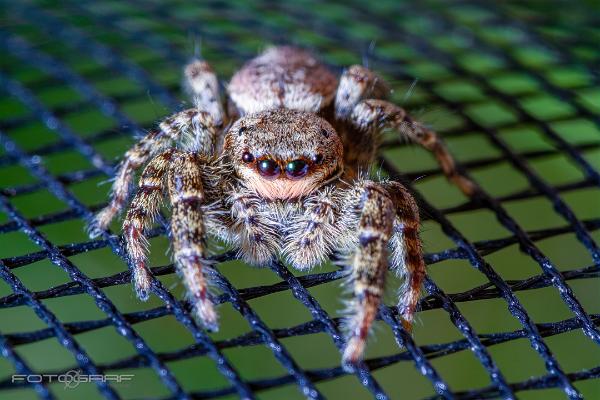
(509, 302)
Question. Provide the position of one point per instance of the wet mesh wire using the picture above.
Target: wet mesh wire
(500, 71)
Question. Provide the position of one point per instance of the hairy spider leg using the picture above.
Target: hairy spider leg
(186, 194)
(312, 236)
(191, 129)
(141, 214)
(257, 235)
(202, 86)
(369, 263)
(371, 115)
(406, 250)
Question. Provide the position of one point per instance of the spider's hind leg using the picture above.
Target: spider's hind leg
(186, 194)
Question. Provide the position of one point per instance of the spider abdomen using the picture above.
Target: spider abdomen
(283, 77)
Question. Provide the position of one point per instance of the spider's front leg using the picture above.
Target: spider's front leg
(186, 194)
(256, 235)
(407, 252)
(358, 102)
(388, 216)
(369, 263)
(311, 238)
(193, 128)
(142, 213)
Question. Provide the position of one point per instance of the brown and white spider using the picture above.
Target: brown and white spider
(277, 174)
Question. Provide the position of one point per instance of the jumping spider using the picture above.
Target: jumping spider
(278, 174)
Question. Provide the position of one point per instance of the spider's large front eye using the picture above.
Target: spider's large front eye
(296, 169)
(268, 168)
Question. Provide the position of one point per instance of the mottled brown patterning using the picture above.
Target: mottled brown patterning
(275, 172)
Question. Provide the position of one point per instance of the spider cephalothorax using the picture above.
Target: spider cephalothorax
(284, 154)
(280, 181)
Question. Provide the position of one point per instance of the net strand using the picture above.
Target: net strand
(499, 17)
(444, 28)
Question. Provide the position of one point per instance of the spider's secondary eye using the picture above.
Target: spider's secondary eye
(268, 168)
(316, 159)
(247, 157)
(296, 169)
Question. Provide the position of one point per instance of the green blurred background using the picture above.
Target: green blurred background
(476, 48)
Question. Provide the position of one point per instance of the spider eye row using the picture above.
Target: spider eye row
(270, 168)
(296, 168)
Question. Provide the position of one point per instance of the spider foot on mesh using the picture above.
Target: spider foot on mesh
(142, 282)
